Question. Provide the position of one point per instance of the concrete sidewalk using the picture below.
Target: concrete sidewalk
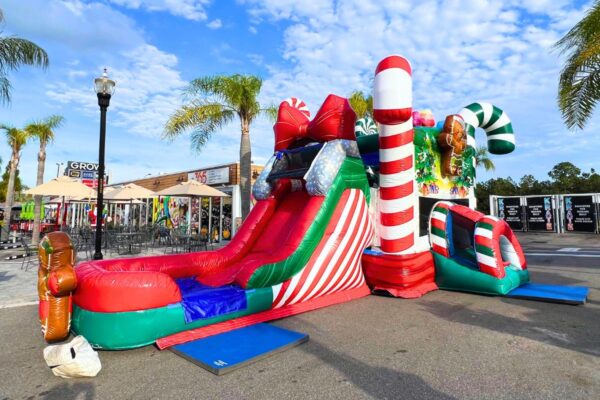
(445, 345)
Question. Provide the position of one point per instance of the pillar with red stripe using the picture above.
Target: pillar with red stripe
(392, 109)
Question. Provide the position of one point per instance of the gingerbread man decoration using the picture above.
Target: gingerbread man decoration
(452, 141)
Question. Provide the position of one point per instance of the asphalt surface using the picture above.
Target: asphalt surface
(444, 345)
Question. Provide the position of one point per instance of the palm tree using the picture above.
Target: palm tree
(482, 159)
(15, 52)
(579, 85)
(16, 140)
(43, 131)
(215, 102)
(361, 104)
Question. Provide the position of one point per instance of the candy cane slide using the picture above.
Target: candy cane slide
(495, 122)
(392, 104)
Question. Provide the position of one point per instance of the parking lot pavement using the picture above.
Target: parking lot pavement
(445, 345)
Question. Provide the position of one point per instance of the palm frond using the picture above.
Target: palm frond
(579, 91)
(5, 88)
(203, 118)
(579, 84)
(482, 159)
(271, 113)
(15, 52)
(43, 130)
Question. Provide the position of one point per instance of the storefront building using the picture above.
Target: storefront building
(219, 217)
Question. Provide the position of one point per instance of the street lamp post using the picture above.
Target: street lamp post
(104, 89)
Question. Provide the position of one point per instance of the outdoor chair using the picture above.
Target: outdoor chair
(30, 255)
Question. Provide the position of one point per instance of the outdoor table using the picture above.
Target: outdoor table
(129, 236)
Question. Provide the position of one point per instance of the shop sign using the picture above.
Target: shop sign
(211, 176)
(540, 214)
(579, 214)
(509, 209)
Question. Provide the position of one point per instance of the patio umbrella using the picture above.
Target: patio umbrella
(130, 192)
(193, 189)
(62, 186)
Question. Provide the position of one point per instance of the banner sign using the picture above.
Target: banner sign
(87, 172)
(211, 176)
(540, 215)
(579, 214)
(509, 209)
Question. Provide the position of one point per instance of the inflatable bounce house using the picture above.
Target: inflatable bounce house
(344, 208)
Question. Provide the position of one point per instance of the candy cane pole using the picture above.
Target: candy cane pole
(495, 123)
(392, 109)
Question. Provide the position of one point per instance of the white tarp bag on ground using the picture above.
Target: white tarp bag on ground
(73, 360)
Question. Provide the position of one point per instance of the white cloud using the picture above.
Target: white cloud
(190, 9)
(215, 24)
(496, 51)
(75, 24)
(148, 90)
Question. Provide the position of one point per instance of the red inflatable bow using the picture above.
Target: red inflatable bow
(334, 120)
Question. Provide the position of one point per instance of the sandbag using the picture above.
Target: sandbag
(76, 359)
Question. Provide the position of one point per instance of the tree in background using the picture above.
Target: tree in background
(482, 159)
(4, 183)
(361, 104)
(15, 52)
(579, 85)
(16, 140)
(565, 178)
(216, 102)
(43, 131)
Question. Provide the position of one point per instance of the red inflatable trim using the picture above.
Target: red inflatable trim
(408, 276)
(268, 315)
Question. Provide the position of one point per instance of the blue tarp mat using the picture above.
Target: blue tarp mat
(551, 293)
(200, 301)
(227, 351)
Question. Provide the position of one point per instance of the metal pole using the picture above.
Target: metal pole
(103, 102)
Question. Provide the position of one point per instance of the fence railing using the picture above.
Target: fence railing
(559, 213)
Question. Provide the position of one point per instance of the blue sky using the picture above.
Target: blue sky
(461, 51)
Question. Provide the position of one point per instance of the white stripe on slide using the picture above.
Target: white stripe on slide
(359, 276)
(396, 81)
(438, 215)
(503, 120)
(395, 205)
(396, 231)
(484, 232)
(339, 251)
(487, 113)
(396, 153)
(438, 241)
(355, 253)
(391, 130)
(486, 260)
(328, 248)
(469, 117)
(340, 270)
(508, 137)
(495, 219)
(346, 268)
(355, 271)
(397, 179)
(276, 289)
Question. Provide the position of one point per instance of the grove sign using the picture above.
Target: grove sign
(82, 166)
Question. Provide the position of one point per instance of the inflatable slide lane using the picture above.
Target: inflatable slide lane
(299, 249)
(474, 252)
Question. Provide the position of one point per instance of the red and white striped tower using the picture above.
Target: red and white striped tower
(392, 109)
